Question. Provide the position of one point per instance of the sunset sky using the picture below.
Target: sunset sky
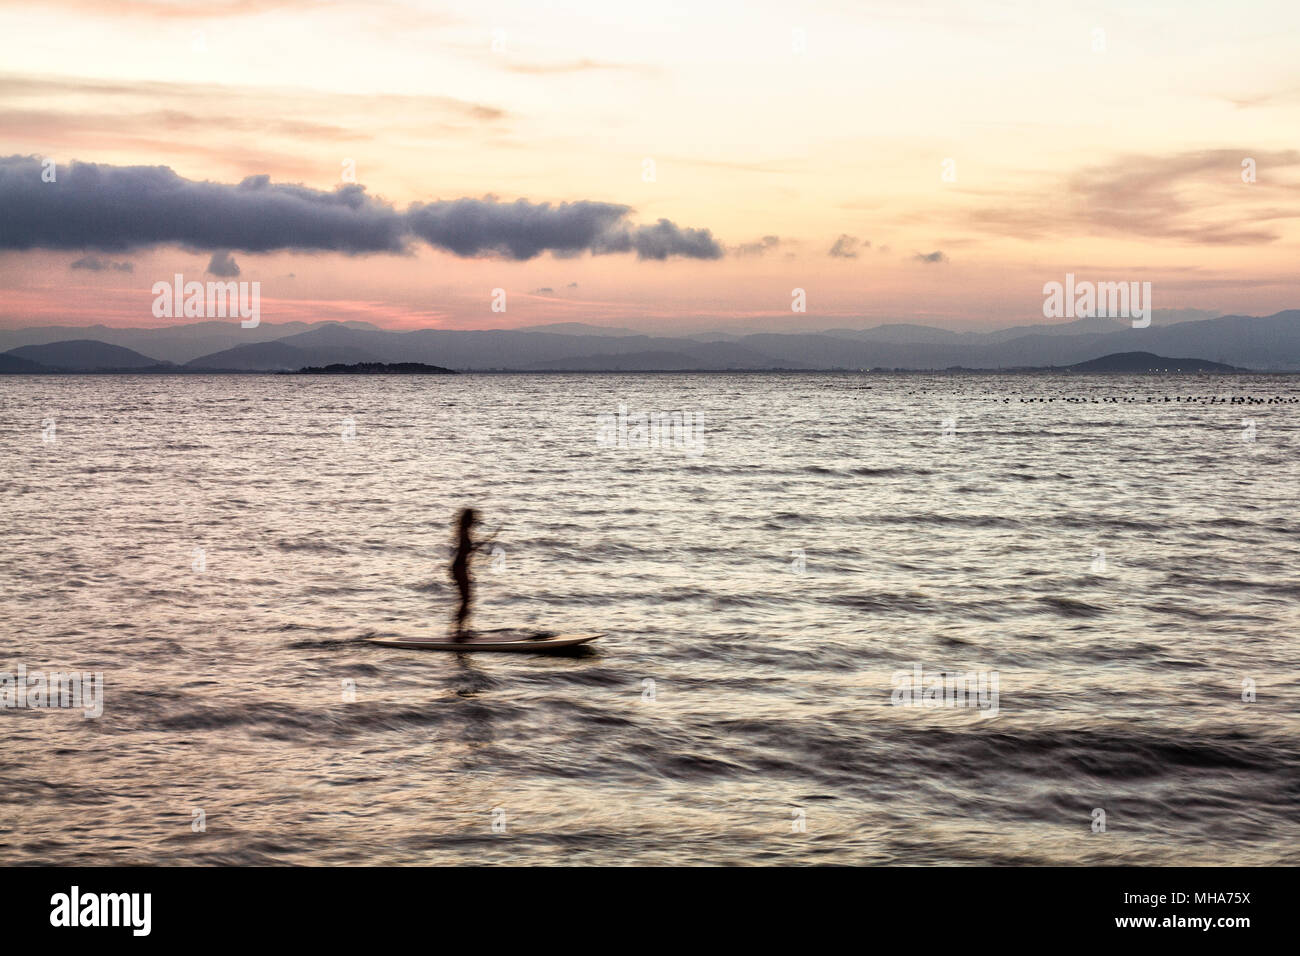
(809, 140)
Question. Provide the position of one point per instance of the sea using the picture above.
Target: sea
(865, 619)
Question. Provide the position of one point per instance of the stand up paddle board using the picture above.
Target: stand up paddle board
(490, 641)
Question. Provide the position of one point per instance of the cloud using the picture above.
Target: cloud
(113, 208)
(766, 244)
(544, 290)
(518, 230)
(660, 241)
(93, 206)
(846, 247)
(96, 264)
(223, 265)
(1275, 98)
(935, 256)
(522, 230)
(181, 9)
(1195, 197)
(574, 66)
(177, 105)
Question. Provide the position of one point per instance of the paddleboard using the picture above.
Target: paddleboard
(490, 641)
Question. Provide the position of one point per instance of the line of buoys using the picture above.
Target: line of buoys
(993, 395)
(1184, 399)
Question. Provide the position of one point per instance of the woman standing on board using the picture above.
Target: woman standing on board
(465, 548)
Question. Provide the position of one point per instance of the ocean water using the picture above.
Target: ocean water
(1119, 554)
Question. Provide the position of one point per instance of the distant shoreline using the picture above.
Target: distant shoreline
(373, 368)
(1059, 370)
(1253, 343)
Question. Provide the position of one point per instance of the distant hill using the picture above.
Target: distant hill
(654, 361)
(377, 368)
(695, 356)
(13, 365)
(277, 357)
(578, 328)
(1265, 343)
(1148, 362)
(901, 333)
(176, 342)
(83, 355)
(488, 349)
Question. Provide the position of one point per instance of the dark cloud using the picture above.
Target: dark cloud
(663, 239)
(96, 264)
(544, 290)
(93, 206)
(935, 256)
(518, 230)
(223, 265)
(112, 208)
(846, 247)
(522, 230)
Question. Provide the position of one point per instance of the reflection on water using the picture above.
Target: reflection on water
(221, 551)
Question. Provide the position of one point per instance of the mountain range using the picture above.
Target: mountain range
(1267, 343)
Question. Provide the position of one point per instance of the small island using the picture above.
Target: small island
(376, 368)
(1130, 362)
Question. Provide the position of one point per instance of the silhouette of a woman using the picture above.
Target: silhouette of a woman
(465, 548)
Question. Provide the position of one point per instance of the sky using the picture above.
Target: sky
(670, 167)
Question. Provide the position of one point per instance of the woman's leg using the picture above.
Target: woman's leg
(462, 613)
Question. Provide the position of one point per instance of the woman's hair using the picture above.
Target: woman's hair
(466, 520)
